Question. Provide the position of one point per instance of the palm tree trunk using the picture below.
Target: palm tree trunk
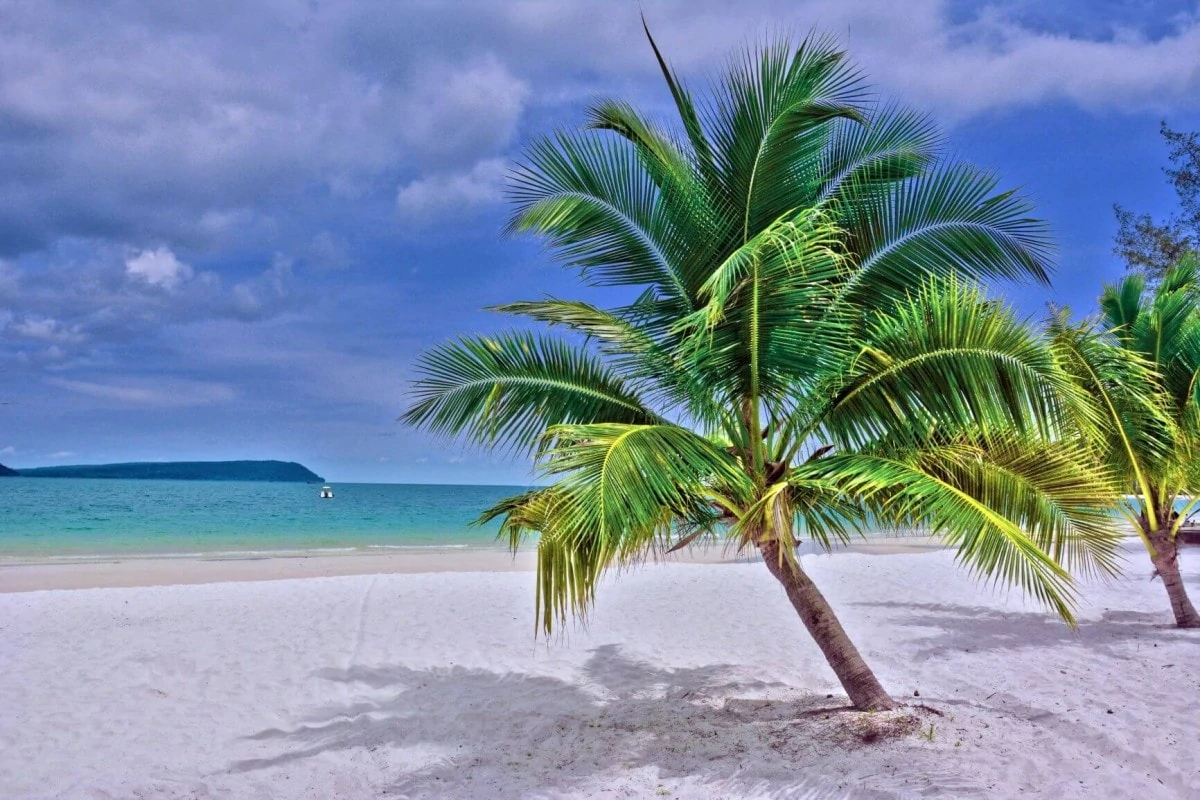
(1166, 566)
(856, 677)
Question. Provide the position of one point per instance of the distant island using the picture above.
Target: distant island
(273, 471)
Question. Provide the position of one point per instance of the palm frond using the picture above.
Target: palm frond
(686, 213)
(1008, 508)
(765, 326)
(622, 492)
(947, 357)
(863, 159)
(1135, 434)
(948, 220)
(505, 390)
(771, 120)
(688, 115)
(594, 202)
(652, 367)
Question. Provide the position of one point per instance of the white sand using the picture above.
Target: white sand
(693, 681)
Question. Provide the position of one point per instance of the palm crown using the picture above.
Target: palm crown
(803, 353)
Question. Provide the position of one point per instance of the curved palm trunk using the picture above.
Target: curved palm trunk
(856, 677)
(1166, 566)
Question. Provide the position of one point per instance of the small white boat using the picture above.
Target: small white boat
(326, 493)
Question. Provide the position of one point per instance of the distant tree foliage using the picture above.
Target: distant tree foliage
(1152, 247)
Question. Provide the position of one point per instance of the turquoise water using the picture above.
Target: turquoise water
(56, 519)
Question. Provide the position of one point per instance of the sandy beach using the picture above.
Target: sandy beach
(429, 684)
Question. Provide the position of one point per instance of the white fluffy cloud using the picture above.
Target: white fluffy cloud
(158, 267)
(421, 200)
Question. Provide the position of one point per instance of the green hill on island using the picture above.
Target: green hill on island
(5, 472)
(273, 471)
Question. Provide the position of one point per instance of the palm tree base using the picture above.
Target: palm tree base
(1166, 566)
(860, 683)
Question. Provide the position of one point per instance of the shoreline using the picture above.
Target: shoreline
(127, 572)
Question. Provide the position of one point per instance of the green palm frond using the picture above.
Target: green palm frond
(770, 122)
(767, 320)
(595, 204)
(861, 160)
(948, 220)
(1140, 362)
(508, 388)
(1136, 432)
(808, 504)
(623, 491)
(687, 213)
(522, 515)
(689, 118)
(948, 357)
(615, 333)
(653, 368)
(1005, 523)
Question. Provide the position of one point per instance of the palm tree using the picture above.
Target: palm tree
(1141, 361)
(796, 357)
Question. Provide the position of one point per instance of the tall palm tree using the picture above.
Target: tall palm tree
(797, 358)
(1141, 361)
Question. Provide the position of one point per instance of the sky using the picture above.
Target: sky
(227, 229)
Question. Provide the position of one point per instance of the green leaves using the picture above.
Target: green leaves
(770, 122)
(802, 262)
(623, 491)
(597, 206)
(1140, 365)
(947, 220)
(1017, 509)
(948, 358)
(765, 325)
(507, 389)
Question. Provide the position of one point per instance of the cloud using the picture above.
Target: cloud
(197, 128)
(464, 111)
(66, 309)
(157, 393)
(45, 329)
(329, 251)
(422, 200)
(61, 454)
(995, 62)
(158, 268)
(8, 450)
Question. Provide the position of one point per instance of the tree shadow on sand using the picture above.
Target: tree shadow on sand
(527, 736)
(958, 628)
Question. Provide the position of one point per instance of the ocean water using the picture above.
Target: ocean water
(67, 519)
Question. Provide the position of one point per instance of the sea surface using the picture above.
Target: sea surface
(73, 519)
